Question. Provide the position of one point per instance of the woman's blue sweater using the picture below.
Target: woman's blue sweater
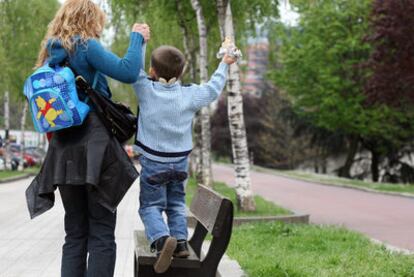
(91, 57)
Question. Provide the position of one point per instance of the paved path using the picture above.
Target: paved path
(32, 248)
(389, 219)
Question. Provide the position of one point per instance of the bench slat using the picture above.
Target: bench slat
(206, 208)
(146, 257)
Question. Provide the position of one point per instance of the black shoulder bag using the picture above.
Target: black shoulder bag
(117, 118)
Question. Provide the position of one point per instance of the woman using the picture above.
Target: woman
(87, 164)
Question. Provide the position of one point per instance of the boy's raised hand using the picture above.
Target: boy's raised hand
(143, 29)
(229, 59)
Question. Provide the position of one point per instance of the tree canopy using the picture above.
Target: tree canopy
(323, 69)
(392, 61)
(170, 19)
(24, 24)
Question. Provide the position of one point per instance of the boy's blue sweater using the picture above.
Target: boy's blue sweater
(167, 112)
(91, 57)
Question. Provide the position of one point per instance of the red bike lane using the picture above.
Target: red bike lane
(387, 218)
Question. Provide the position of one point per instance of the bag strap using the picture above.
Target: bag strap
(96, 99)
(66, 63)
(82, 84)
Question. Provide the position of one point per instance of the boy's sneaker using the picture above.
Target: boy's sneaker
(181, 251)
(165, 247)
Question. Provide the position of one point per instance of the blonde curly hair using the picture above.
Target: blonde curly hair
(81, 18)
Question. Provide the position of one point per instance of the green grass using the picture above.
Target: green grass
(263, 207)
(277, 249)
(6, 174)
(332, 180)
(32, 170)
(288, 250)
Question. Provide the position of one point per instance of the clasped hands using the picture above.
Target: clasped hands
(143, 29)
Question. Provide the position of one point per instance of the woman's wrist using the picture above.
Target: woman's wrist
(136, 39)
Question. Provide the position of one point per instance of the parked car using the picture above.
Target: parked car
(38, 154)
(32, 156)
(14, 147)
(36, 150)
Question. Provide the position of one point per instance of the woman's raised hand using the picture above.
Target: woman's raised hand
(143, 29)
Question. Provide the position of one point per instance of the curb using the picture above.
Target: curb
(295, 218)
(388, 193)
(391, 248)
(237, 221)
(16, 178)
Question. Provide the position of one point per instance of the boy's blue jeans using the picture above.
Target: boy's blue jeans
(162, 190)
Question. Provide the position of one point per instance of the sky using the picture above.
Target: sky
(287, 15)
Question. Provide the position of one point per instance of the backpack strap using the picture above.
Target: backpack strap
(95, 78)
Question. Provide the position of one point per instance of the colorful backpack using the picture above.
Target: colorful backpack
(53, 99)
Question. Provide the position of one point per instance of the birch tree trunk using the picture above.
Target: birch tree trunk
(6, 129)
(22, 134)
(245, 199)
(190, 67)
(187, 42)
(205, 176)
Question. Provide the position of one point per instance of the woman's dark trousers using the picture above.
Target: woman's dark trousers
(89, 230)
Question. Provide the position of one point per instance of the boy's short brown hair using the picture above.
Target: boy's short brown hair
(168, 62)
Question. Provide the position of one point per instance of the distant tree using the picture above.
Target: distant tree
(23, 25)
(392, 60)
(220, 133)
(392, 74)
(342, 78)
(321, 71)
(271, 132)
(319, 59)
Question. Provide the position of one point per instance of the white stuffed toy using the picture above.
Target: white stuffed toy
(228, 47)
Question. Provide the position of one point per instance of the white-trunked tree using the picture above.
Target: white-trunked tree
(205, 172)
(238, 135)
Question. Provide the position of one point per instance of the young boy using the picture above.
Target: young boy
(164, 139)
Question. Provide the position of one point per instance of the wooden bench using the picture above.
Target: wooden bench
(214, 215)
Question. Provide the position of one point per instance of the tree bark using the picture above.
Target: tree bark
(190, 67)
(206, 171)
(344, 171)
(196, 153)
(22, 135)
(6, 129)
(221, 13)
(375, 159)
(188, 43)
(245, 199)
